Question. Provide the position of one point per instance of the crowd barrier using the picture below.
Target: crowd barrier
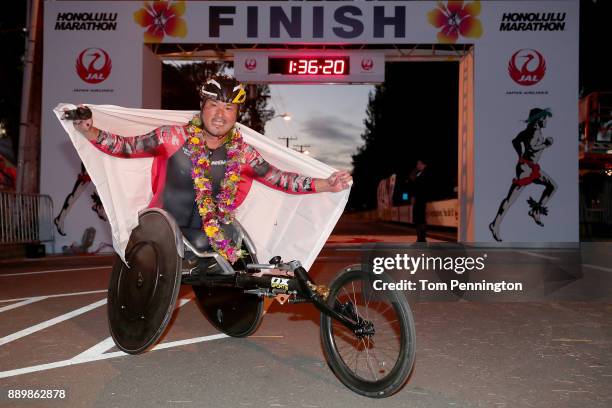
(25, 218)
(444, 213)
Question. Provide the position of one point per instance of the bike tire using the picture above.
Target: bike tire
(331, 338)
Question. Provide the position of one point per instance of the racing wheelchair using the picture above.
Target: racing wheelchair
(368, 337)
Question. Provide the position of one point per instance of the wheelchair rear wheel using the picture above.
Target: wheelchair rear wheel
(229, 309)
(141, 296)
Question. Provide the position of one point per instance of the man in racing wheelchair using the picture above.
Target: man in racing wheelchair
(202, 171)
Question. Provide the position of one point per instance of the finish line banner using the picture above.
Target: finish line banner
(518, 106)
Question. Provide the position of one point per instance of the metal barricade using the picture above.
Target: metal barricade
(25, 218)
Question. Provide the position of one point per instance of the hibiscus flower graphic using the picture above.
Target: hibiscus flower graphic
(456, 18)
(161, 18)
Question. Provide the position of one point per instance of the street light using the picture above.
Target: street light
(300, 148)
(285, 116)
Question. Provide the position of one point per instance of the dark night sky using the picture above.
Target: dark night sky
(595, 45)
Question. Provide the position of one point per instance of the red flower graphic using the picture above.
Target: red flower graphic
(456, 18)
(162, 18)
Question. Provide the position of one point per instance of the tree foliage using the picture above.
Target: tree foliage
(411, 116)
(12, 38)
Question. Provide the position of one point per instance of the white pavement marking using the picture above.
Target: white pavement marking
(51, 322)
(97, 350)
(601, 268)
(54, 296)
(54, 271)
(553, 258)
(74, 361)
(22, 303)
(185, 299)
(194, 340)
(108, 343)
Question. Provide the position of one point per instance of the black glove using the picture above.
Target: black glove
(80, 113)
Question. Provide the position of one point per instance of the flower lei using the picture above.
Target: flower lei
(221, 210)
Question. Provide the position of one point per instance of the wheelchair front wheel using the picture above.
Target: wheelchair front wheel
(378, 362)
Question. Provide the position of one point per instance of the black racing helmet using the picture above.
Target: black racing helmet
(223, 88)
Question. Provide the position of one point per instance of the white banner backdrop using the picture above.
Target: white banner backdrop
(101, 65)
(517, 72)
(526, 58)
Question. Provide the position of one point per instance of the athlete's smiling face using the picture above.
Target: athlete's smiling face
(218, 117)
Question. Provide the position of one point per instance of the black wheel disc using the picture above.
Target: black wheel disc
(141, 297)
(230, 310)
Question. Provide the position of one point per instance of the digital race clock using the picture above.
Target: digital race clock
(275, 66)
(309, 66)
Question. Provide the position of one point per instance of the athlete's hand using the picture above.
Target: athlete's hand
(82, 121)
(338, 181)
(548, 141)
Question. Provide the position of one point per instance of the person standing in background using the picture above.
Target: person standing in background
(419, 183)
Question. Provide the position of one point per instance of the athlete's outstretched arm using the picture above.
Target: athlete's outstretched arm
(154, 143)
(292, 182)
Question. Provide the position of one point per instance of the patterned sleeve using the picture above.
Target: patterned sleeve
(275, 178)
(155, 143)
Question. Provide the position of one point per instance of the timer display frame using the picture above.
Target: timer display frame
(310, 66)
(301, 65)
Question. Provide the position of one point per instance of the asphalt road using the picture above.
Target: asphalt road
(548, 346)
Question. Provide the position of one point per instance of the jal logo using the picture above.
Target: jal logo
(527, 67)
(250, 64)
(367, 64)
(93, 65)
